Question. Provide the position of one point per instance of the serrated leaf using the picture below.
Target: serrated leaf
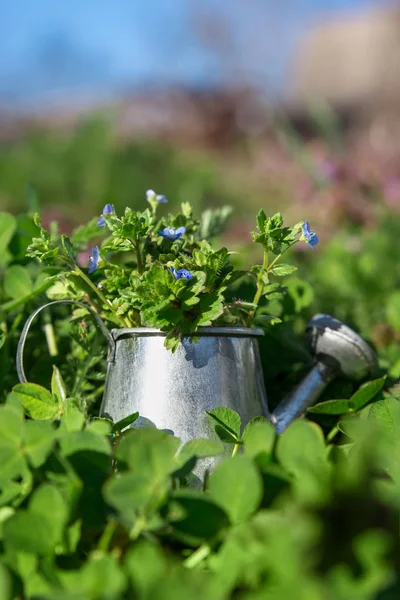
(39, 402)
(281, 270)
(261, 219)
(366, 393)
(331, 407)
(236, 486)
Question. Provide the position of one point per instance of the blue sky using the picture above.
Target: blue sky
(50, 49)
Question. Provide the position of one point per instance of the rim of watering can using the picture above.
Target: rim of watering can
(201, 332)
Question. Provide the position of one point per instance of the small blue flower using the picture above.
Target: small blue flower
(309, 236)
(107, 210)
(181, 273)
(151, 195)
(94, 259)
(172, 234)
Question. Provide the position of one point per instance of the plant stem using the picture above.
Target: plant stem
(104, 300)
(235, 449)
(138, 257)
(106, 538)
(332, 434)
(198, 555)
(260, 286)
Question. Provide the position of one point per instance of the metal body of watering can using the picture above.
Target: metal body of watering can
(218, 366)
(174, 390)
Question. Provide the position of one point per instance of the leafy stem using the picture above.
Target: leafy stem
(138, 257)
(260, 287)
(197, 557)
(271, 266)
(105, 301)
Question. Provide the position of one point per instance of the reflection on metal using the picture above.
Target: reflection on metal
(173, 391)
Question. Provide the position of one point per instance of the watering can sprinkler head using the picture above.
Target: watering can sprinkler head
(338, 350)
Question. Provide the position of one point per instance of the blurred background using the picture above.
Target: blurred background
(291, 105)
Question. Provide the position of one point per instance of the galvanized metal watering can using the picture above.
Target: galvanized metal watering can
(174, 391)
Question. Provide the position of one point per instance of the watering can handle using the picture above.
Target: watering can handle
(24, 333)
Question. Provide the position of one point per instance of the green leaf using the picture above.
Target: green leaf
(100, 425)
(11, 430)
(259, 437)
(386, 413)
(261, 219)
(17, 282)
(84, 441)
(39, 439)
(48, 503)
(123, 423)
(236, 486)
(5, 583)
(3, 338)
(8, 226)
(148, 450)
(100, 577)
(281, 270)
(300, 446)
(58, 386)
(393, 310)
(331, 407)
(39, 402)
(192, 513)
(28, 532)
(145, 564)
(366, 393)
(136, 493)
(73, 418)
(201, 448)
(228, 423)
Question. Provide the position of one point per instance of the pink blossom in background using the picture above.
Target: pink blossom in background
(391, 192)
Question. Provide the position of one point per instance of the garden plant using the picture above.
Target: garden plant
(95, 509)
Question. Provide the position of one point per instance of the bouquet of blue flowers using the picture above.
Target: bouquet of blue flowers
(164, 272)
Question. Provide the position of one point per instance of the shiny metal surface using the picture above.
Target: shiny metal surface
(303, 396)
(340, 347)
(338, 351)
(174, 390)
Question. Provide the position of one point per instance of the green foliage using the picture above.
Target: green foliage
(163, 273)
(81, 517)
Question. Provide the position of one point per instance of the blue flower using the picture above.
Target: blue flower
(107, 210)
(181, 273)
(309, 236)
(172, 234)
(94, 259)
(160, 198)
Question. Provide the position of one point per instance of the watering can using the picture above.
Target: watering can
(220, 367)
